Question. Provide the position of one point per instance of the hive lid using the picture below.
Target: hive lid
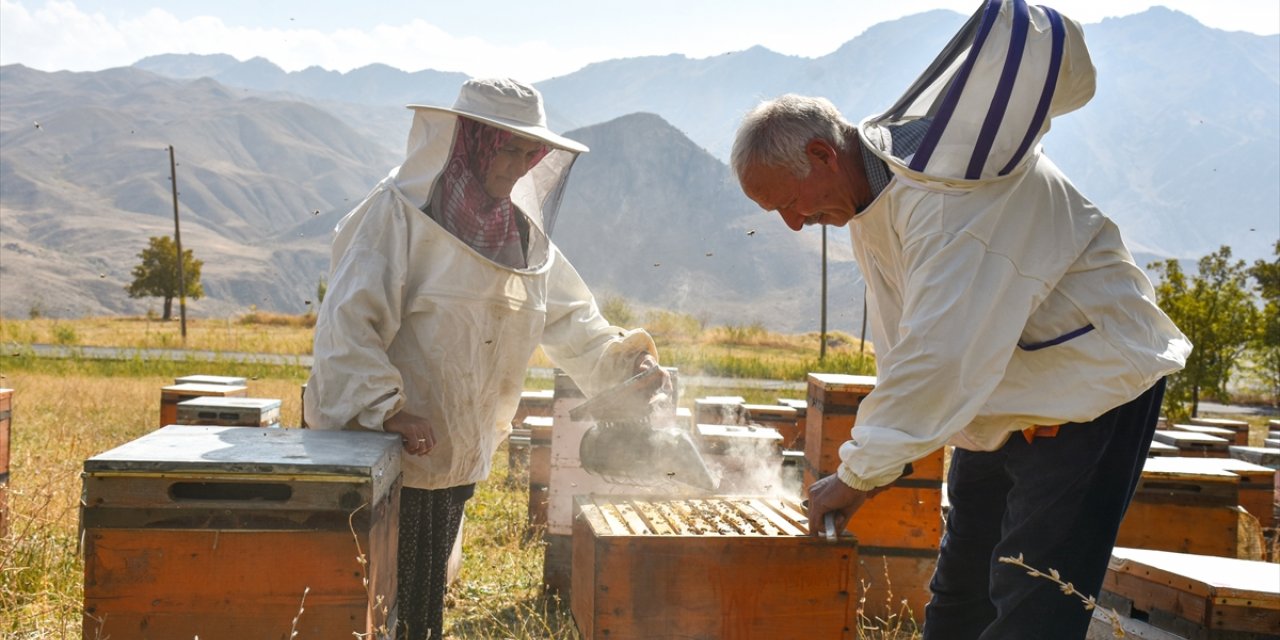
(182, 449)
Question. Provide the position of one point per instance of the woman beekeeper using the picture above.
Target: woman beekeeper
(443, 283)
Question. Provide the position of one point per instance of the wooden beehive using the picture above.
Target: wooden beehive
(1194, 444)
(1230, 435)
(1256, 489)
(232, 381)
(899, 529)
(719, 410)
(171, 395)
(747, 458)
(6, 413)
(1201, 501)
(539, 468)
(217, 532)
(230, 412)
(785, 419)
(730, 569)
(1264, 456)
(533, 403)
(1195, 596)
(1161, 450)
(1238, 428)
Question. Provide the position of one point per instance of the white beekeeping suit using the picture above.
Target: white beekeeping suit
(417, 320)
(1000, 298)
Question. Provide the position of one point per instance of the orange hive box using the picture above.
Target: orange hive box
(1255, 490)
(1194, 444)
(230, 412)
(784, 419)
(898, 530)
(1195, 596)
(1201, 501)
(724, 568)
(1230, 435)
(539, 468)
(533, 403)
(171, 395)
(1239, 428)
(218, 532)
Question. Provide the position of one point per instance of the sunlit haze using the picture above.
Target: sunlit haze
(530, 40)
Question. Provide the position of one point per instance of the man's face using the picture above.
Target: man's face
(813, 199)
(513, 160)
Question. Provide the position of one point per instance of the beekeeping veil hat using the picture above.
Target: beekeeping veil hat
(504, 103)
(992, 92)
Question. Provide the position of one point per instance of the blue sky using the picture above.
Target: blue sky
(530, 39)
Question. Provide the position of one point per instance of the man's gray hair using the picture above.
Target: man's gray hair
(776, 132)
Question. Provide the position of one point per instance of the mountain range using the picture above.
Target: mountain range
(1181, 146)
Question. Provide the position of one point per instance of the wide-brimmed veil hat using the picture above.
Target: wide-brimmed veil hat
(507, 104)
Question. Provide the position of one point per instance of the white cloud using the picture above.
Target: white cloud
(59, 36)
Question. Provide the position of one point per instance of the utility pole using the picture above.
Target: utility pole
(822, 350)
(177, 239)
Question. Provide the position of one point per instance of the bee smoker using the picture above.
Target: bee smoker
(635, 440)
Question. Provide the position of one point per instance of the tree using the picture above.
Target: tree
(1214, 309)
(157, 274)
(1265, 351)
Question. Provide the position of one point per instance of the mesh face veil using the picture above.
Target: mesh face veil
(444, 168)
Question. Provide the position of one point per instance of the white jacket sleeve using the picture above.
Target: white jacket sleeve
(353, 383)
(964, 308)
(596, 354)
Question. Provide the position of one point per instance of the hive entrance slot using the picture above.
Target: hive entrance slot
(238, 491)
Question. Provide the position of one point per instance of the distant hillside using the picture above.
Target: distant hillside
(85, 182)
(653, 217)
(1181, 146)
(1184, 129)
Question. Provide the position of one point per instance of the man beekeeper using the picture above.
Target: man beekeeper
(1008, 316)
(444, 280)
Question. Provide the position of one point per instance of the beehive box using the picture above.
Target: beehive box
(1230, 435)
(730, 569)
(539, 468)
(1264, 456)
(533, 403)
(1161, 450)
(217, 532)
(233, 381)
(230, 412)
(1195, 596)
(1201, 501)
(899, 529)
(1238, 428)
(6, 413)
(719, 410)
(747, 458)
(171, 395)
(1256, 490)
(1194, 444)
(784, 419)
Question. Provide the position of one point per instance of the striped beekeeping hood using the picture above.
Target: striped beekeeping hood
(991, 93)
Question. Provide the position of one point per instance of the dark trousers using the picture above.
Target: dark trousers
(429, 521)
(1058, 503)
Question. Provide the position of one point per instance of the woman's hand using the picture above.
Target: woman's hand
(416, 435)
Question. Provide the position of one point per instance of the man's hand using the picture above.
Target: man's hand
(416, 435)
(831, 495)
(658, 383)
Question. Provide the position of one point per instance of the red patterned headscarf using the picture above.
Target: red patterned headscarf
(464, 208)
